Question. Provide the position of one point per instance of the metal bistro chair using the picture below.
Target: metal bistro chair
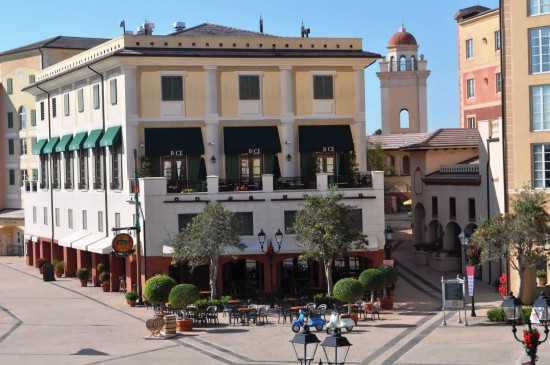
(235, 316)
(360, 309)
(284, 311)
(262, 315)
(212, 315)
(122, 284)
(321, 310)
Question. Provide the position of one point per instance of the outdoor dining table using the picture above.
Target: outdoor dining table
(205, 292)
(244, 313)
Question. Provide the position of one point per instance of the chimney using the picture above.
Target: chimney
(304, 31)
(261, 25)
(179, 26)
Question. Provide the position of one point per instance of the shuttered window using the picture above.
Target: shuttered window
(33, 117)
(112, 93)
(9, 86)
(10, 119)
(172, 88)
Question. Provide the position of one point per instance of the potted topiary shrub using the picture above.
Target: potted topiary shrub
(373, 280)
(390, 278)
(348, 290)
(180, 297)
(541, 277)
(39, 263)
(83, 274)
(59, 267)
(131, 298)
(157, 290)
(105, 279)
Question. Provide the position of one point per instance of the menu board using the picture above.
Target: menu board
(453, 294)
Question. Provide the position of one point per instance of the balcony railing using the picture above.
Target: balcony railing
(240, 184)
(294, 183)
(185, 186)
(355, 181)
(31, 186)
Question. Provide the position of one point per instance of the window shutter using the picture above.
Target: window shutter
(66, 104)
(113, 95)
(33, 117)
(11, 147)
(10, 119)
(80, 100)
(42, 111)
(96, 96)
(178, 88)
(9, 86)
(32, 79)
(54, 107)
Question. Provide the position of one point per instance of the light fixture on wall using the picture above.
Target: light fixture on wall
(211, 143)
(289, 157)
(486, 80)
(484, 39)
(213, 159)
(288, 142)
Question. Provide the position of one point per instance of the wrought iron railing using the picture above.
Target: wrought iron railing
(354, 181)
(185, 186)
(293, 183)
(240, 184)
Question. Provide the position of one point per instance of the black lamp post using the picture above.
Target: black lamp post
(305, 346)
(388, 234)
(336, 348)
(270, 251)
(465, 242)
(512, 309)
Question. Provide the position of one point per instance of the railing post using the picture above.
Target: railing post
(212, 182)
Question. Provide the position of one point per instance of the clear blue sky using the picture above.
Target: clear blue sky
(430, 21)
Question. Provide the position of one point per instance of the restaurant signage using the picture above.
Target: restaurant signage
(123, 245)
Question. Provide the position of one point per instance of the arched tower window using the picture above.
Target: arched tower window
(392, 63)
(406, 165)
(22, 118)
(402, 63)
(413, 63)
(404, 119)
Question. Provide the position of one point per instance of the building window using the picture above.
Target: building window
(33, 142)
(10, 119)
(471, 122)
(413, 63)
(34, 174)
(325, 162)
(56, 172)
(540, 49)
(323, 87)
(290, 218)
(469, 48)
(470, 91)
(68, 170)
(541, 166)
(33, 117)
(112, 92)
(100, 221)
(434, 207)
(497, 40)
(34, 215)
(80, 101)
(471, 210)
(42, 111)
(172, 88)
(96, 96)
(452, 208)
(116, 167)
(404, 119)
(24, 176)
(9, 86)
(23, 146)
(498, 79)
(54, 107)
(98, 167)
(66, 104)
(117, 220)
(11, 147)
(45, 216)
(43, 172)
(537, 7)
(84, 219)
(402, 63)
(249, 87)
(250, 166)
(184, 220)
(174, 168)
(406, 165)
(540, 107)
(57, 219)
(82, 169)
(11, 174)
(32, 79)
(356, 216)
(246, 223)
(22, 118)
(70, 218)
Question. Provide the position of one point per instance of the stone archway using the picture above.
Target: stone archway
(435, 233)
(451, 242)
(419, 216)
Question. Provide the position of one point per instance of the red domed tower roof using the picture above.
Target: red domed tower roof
(402, 37)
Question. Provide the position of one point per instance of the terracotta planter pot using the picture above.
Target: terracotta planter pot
(83, 282)
(132, 303)
(354, 317)
(184, 325)
(106, 287)
(541, 281)
(59, 272)
(386, 303)
(41, 270)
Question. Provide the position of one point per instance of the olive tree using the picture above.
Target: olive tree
(206, 239)
(325, 228)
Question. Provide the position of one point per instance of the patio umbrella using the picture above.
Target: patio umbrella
(276, 171)
(202, 170)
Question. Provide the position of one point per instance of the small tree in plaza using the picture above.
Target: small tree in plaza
(519, 236)
(324, 228)
(206, 238)
(348, 290)
(372, 280)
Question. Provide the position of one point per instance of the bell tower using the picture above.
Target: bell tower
(403, 86)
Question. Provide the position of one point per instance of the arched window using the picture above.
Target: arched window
(392, 63)
(413, 63)
(403, 63)
(22, 118)
(404, 119)
(406, 166)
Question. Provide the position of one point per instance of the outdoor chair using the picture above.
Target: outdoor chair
(212, 315)
(252, 314)
(262, 315)
(122, 284)
(321, 310)
(360, 309)
(376, 309)
(235, 316)
(284, 311)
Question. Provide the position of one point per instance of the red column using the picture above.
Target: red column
(29, 259)
(70, 262)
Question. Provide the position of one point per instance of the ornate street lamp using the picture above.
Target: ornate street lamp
(305, 346)
(336, 348)
(388, 234)
(512, 307)
(270, 251)
(465, 242)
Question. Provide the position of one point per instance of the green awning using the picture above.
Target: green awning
(93, 139)
(50, 146)
(173, 141)
(323, 138)
(39, 146)
(112, 137)
(78, 141)
(251, 140)
(63, 144)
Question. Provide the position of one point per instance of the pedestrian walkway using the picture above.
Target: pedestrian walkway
(61, 322)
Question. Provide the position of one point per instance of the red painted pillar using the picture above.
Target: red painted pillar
(116, 266)
(96, 259)
(70, 262)
(29, 259)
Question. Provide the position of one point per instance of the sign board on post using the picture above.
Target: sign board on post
(470, 270)
(454, 297)
(122, 245)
